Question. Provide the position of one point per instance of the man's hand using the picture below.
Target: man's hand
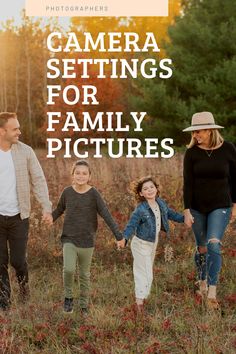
(47, 218)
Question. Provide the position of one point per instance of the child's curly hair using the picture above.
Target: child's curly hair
(137, 186)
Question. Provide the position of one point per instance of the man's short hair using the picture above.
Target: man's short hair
(4, 116)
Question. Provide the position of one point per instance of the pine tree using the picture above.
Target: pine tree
(202, 47)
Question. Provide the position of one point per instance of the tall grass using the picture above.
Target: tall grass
(175, 320)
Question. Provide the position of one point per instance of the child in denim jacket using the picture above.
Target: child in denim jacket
(151, 214)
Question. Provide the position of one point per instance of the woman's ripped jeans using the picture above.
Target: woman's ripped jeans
(209, 230)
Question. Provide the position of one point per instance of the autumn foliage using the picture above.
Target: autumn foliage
(174, 321)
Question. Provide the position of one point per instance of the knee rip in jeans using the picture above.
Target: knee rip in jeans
(214, 245)
(214, 240)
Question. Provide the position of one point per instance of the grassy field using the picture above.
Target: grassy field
(175, 321)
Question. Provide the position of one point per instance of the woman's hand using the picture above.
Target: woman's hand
(188, 218)
(233, 213)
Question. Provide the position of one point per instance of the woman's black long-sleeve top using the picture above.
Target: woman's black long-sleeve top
(210, 178)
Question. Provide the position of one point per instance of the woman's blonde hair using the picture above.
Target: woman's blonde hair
(215, 139)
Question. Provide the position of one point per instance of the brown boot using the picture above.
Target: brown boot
(212, 304)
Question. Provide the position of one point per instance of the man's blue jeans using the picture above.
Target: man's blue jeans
(209, 230)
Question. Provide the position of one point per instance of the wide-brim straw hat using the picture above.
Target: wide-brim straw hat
(202, 120)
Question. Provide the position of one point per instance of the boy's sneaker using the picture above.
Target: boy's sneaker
(68, 305)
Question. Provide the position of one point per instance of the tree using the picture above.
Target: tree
(202, 47)
(23, 75)
(140, 25)
(8, 68)
(108, 88)
(23, 66)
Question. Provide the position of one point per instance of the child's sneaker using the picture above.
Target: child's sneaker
(68, 305)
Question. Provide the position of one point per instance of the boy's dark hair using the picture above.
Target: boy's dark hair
(137, 186)
(4, 116)
(80, 163)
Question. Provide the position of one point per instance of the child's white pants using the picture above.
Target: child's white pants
(143, 254)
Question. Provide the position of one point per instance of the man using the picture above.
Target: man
(19, 169)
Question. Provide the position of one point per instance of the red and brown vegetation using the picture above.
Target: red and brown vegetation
(175, 320)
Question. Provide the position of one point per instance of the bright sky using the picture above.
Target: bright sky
(12, 9)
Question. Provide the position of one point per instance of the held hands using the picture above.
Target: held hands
(47, 219)
(120, 244)
(233, 213)
(188, 218)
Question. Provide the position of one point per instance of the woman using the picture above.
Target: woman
(209, 197)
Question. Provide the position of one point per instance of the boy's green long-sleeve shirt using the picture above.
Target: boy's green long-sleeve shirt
(81, 209)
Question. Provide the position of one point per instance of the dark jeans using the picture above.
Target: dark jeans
(13, 244)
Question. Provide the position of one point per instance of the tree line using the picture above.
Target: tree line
(198, 35)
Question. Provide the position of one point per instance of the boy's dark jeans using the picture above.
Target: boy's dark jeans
(13, 245)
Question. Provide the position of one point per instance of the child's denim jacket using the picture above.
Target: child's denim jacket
(143, 223)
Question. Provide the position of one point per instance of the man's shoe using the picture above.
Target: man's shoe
(68, 305)
(4, 305)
